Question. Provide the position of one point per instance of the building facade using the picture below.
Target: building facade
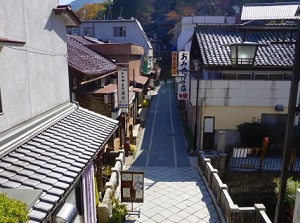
(49, 147)
(229, 94)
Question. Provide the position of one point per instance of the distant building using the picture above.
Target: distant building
(119, 31)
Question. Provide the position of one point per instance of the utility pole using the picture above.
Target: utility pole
(280, 205)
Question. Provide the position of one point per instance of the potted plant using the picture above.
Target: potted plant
(290, 196)
(12, 210)
(119, 210)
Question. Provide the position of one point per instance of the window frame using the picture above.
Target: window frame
(119, 31)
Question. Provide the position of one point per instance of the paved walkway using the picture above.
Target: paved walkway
(173, 188)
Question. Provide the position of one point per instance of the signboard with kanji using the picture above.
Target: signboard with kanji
(123, 92)
(132, 186)
(174, 63)
(184, 73)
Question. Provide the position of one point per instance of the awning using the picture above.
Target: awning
(111, 88)
(70, 16)
(55, 158)
(141, 80)
(10, 42)
(138, 90)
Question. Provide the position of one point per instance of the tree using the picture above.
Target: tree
(95, 11)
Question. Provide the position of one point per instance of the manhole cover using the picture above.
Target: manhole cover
(170, 134)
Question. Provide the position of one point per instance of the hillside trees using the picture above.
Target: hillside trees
(140, 9)
(96, 11)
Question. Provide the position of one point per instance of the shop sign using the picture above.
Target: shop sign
(183, 72)
(123, 98)
(174, 63)
(132, 186)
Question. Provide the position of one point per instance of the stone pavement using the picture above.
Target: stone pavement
(171, 193)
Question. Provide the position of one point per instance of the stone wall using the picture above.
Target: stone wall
(231, 211)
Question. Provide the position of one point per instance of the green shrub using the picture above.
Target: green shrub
(12, 211)
(252, 133)
(119, 211)
(146, 103)
(290, 193)
(132, 150)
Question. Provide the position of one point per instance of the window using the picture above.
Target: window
(119, 31)
(261, 77)
(244, 76)
(276, 77)
(272, 119)
(73, 31)
(229, 76)
(88, 31)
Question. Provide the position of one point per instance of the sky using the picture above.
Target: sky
(65, 2)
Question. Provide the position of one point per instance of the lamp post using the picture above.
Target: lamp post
(241, 55)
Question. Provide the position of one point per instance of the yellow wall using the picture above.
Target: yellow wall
(230, 117)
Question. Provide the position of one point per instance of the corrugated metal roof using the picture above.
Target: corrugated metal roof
(141, 80)
(271, 11)
(211, 40)
(55, 158)
(85, 60)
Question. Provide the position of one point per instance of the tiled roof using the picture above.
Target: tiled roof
(271, 11)
(85, 60)
(55, 158)
(212, 38)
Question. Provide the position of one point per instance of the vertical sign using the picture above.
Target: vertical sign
(174, 63)
(132, 186)
(145, 67)
(183, 72)
(123, 92)
(89, 202)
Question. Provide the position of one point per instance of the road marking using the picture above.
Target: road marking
(151, 136)
(172, 128)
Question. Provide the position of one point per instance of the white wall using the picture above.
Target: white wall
(104, 30)
(265, 93)
(33, 77)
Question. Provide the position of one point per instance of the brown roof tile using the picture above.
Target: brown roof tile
(85, 60)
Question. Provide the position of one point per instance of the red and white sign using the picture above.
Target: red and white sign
(184, 73)
(123, 87)
(174, 63)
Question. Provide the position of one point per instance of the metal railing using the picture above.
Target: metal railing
(257, 159)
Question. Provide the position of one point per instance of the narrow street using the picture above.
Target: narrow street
(174, 191)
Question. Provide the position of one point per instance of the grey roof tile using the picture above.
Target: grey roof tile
(212, 38)
(53, 160)
(11, 184)
(43, 206)
(19, 178)
(37, 215)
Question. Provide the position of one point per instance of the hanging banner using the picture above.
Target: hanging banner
(174, 63)
(88, 192)
(132, 186)
(145, 65)
(123, 88)
(183, 72)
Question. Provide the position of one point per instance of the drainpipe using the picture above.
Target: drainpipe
(196, 65)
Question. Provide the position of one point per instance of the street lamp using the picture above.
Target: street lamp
(243, 53)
